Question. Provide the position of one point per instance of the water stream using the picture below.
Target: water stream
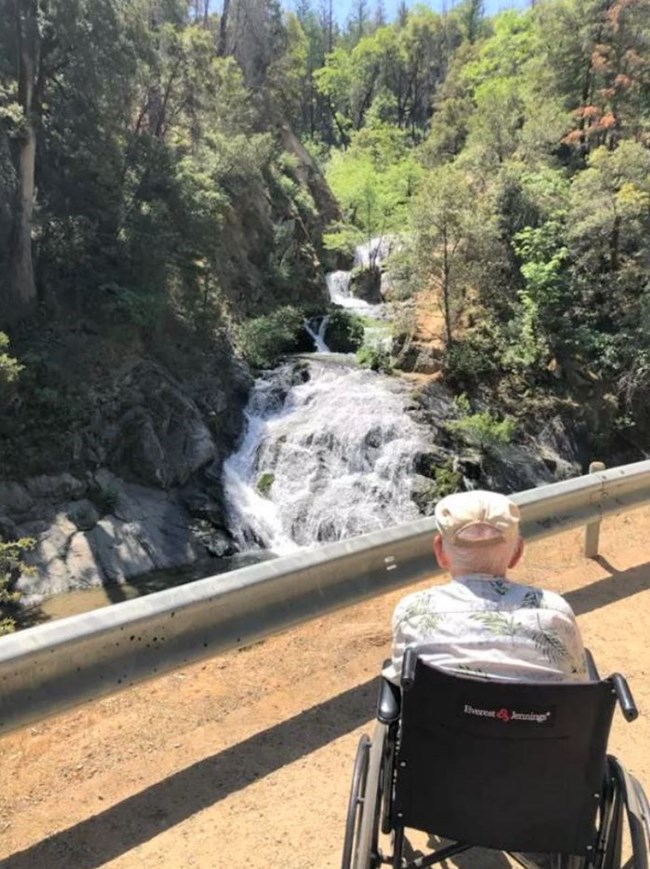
(327, 453)
(328, 450)
(323, 458)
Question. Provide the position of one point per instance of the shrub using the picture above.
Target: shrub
(264, 340)
(447, 480)
(469, 362)
(375, 358)
(265, 482)
(11, 566)
(9, 367)
(484, 430)
(344, 332)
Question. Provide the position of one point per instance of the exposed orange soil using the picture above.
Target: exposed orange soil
(429, 322)
(245, 760)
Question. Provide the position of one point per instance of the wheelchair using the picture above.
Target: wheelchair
(517, 767)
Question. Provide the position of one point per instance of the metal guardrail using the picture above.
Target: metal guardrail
(53, 667)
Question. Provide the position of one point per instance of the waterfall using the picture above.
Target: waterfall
(338, 287)
(373, 252)
(328, 453)
(316, 328)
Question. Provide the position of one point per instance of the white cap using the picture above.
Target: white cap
(477, 518)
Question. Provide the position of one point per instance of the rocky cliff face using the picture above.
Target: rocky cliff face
(454, 463)
(272, 238)
(128, 477)
(142, 486)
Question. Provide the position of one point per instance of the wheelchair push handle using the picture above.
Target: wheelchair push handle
(624, 697)
(408, 668)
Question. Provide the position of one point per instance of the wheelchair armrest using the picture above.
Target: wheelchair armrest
(389, 702)
(409, 661)
(624, 697)
(592, 670)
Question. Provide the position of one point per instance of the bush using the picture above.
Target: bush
(470, 362)
(375, 358)
(11, 566)
(265, 339)
(265, 482)
(484, 430)
(9, 367)
(344, 332)
(447, 480)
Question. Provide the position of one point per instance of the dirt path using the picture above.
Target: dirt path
(244, 761)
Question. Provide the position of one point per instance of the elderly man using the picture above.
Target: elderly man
(480, 622)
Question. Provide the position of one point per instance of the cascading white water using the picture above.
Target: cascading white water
(338, 287)
(318, 335)
(374, 252)
(339, 450)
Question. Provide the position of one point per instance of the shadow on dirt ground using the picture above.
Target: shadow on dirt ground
(124, 826)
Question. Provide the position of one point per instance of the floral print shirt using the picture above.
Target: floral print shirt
(489, 626)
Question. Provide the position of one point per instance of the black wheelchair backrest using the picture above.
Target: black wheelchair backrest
(507, 765)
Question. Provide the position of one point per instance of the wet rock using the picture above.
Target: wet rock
(84, 515)
(216, 541)
(202, 504)
(424, 494)
(426, 462)
(557, 440)
(8, 528)
(15, 499)
(148, 530)
(55, 487)
(365, 283)
(165, 440)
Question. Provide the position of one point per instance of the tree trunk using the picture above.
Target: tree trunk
(20, 264)
(446, 289)
(21, 269)
(223, 30)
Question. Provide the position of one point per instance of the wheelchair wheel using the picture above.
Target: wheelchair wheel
(368, 839)
(355, 803)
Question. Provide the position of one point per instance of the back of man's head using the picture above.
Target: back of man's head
(479, 532)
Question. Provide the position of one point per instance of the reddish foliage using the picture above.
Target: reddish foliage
(607, 121)
(623, 81)
(599, 59)
(572, 138)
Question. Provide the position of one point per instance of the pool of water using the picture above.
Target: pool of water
(85, 599)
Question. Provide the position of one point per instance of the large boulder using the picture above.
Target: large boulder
(147, 530)
(165, 439)
(365, 283)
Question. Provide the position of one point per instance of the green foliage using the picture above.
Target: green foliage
(10, 368)
(483, 430)
(264, 483)
(264, 340)
(447, 480)
(344, 332)
(374, 180)
(11, 566)
(375, 358)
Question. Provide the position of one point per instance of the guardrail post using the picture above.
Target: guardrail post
(592, 530)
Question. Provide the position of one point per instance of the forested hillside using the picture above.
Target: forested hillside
(149, 169)
(176, 179)
(515, 153)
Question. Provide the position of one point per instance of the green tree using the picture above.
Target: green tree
(374, 180)
(452, 233)
(11, 566)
